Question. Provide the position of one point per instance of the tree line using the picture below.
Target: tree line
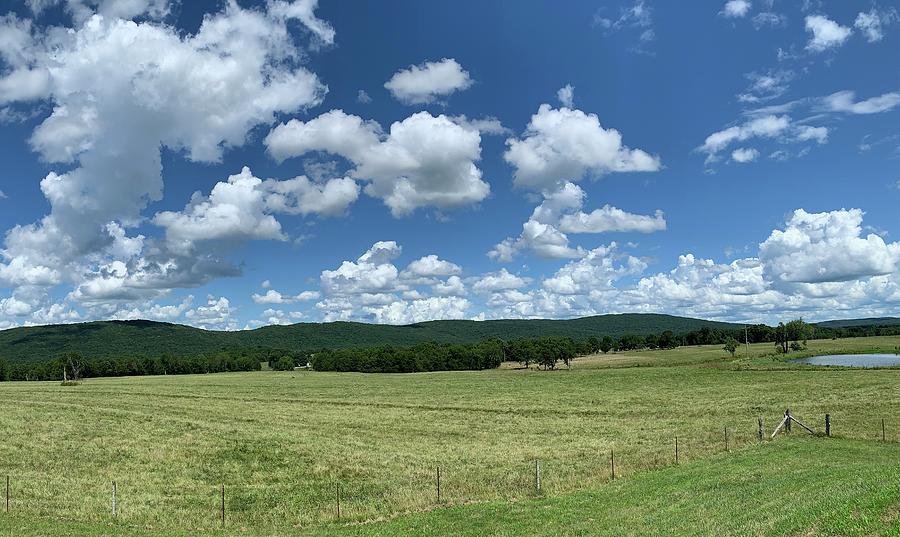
(544, 352)
(73, 366)
(421, 357)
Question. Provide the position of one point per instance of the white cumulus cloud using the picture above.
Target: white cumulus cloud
(744, 154)
(826, 33)
(423, 161)
(564, 144)
(826, 247)
(736, 8)
(428, 82)
(566, 96)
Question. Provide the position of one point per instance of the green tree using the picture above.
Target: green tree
(284, 363)
(798, 331)
(731, 345)
(606, 344)
(667, 340)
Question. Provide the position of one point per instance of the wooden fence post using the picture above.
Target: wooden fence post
(7, 494)
(760, 430)
(115, 511)
(337, 488)
(438, 484)
(612, 462)
(883, 437)
(726, 438)
(676, 450)
(223, 505)
(827, 424)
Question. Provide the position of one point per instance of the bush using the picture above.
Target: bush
(285, 363)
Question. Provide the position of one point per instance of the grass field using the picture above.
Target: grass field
(280, 442)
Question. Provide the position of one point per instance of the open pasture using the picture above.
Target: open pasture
(281, 442)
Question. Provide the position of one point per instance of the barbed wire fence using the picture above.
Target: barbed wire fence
(341, 497)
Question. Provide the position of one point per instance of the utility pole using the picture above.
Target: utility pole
(747, 340)
(785, 339)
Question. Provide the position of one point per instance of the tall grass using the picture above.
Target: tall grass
(280, 442)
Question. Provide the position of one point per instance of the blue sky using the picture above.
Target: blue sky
(234, 164)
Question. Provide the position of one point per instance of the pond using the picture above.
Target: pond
(853, 360)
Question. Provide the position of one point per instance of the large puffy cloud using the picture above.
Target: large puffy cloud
(609, 218)
(502, 280)
(242, 208)
(429, 81)
(826, 247)
(155, 312)
(817, 265)
(564, 144)
(431, 266)
(373, 289)
(544, 233)
(424, 309)
(585, 286)
(596, 270)
(372, 272)
(122, 90)
(217, 314)
(234, 210)
(826, 33)
(13, 307)
(423, 161)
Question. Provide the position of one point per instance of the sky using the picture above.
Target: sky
(235, 164)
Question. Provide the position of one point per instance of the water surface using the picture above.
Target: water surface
(853, 360)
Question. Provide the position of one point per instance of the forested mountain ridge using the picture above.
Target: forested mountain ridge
(116, 339)
(149, 338)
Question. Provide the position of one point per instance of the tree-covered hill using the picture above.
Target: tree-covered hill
(871, 321)
(147, 338)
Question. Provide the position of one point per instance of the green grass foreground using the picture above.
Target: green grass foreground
(792, 486)
(280, 442)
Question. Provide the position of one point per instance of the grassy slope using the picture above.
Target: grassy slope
(801, 486)
(760, 356)
(793, 486)
(145, 338)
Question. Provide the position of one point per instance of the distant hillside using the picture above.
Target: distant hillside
(871, 321)
(147, 338)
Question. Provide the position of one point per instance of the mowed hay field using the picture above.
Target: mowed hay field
(281, 442)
